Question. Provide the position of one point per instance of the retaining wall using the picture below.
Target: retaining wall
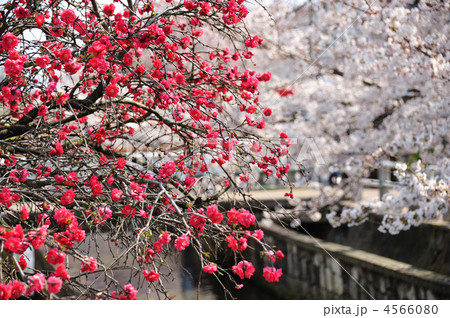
(316, 269)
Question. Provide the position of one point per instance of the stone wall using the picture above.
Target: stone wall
(316, 269)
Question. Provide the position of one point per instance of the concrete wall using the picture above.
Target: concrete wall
(310, 272)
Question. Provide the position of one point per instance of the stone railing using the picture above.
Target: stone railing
(316, 269)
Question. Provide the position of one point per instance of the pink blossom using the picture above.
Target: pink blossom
(89, 265)
(54, 258)
(255, 147)
(5, 291)
(54, 284)
(210, 268)
(108, 9)
(17, 289)
(213, 214)
(116, 194)
(129, 293)
(271, 274)
(258, 234)
(246, 218)
(243, 269)
(9, 41)
(243, 177)
(167, 170)
(182, 242)
(37, 282)
(103, 214)
(61, 272)
(68, 197)
(68, 16)
(112, 90)
(151, 276)
(43, 61)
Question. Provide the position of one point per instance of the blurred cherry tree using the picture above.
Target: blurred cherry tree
(122, 122)
(367, 82)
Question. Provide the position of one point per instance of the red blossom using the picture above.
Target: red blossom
(197, 221)
(37, 282)
(54, 284)
(213, 214)
(64, 216)
(43, 61)
(167, 170)
(279, 254)
(253, 41)
(151, 276)
(68, 16)
(116, 194)
(89, 265)
(128, 210)
(57, 151)
(54, 257)
(61, 272)
(128, 58)
(243, 269)
(112, 90)
(22, 262)
(121, 162)
(22, 13)
(246, 218)
(182, 242)
(267, 111)
(210, 268)
(233, 216)
(17, 289)
(271, 274)
(232, 243)
(189, 182)
(108, 9)
(5, 291)
(68, 197)
(9, 41)
(40, 19)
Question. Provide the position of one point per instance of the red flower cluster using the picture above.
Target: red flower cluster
(12, 290)
(163, 239)
(182, 242)
(242, 216)
(271, 274)
(68, 197)
(243, 269)
(55, 258)
(213, 214)
(151, 276)
(128, 293)
(72, 232)
(89, 265)
(210, 268)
